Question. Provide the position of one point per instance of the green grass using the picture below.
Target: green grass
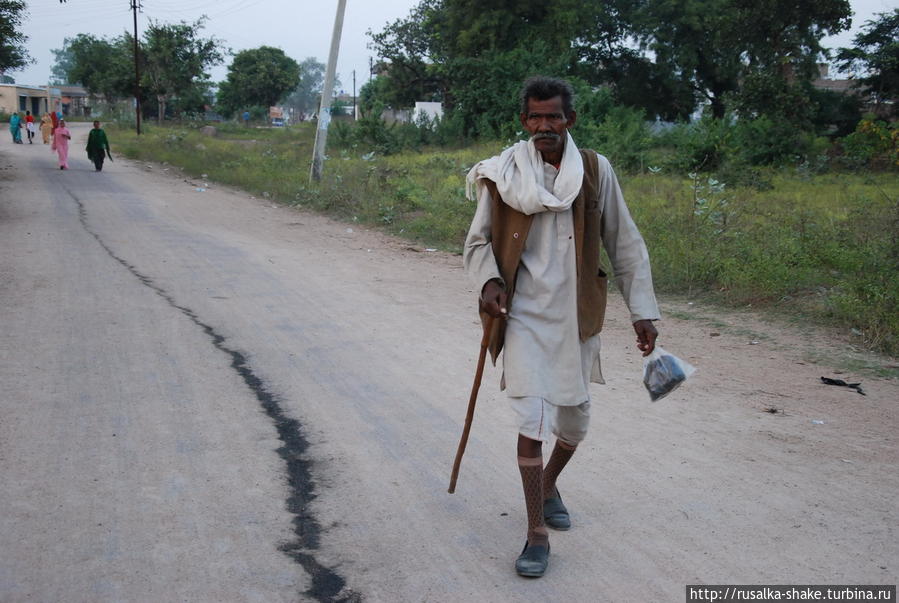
(824, 247)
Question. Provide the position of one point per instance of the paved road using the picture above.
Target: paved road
(207, 397)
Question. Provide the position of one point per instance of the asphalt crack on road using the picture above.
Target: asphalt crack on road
(327, 584)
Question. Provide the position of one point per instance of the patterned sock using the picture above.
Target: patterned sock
(532, 482)
(558, 459)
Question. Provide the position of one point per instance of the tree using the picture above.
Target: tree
(484, 89)
(874, 59)
(836, 115)
(660, 56)
(469, 28)
(305, 97)
(441, 50)
(410, 52)
(63, 63)
(608, 56)
(722, 46)
(103, 66)
(175, 60)
(258, 77)
(445, 50)
(13, 55)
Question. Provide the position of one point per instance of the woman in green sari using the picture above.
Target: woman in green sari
(97, 146)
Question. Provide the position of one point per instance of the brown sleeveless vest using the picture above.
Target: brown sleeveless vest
(509, 231)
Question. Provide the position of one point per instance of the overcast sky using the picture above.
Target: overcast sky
(301, 28)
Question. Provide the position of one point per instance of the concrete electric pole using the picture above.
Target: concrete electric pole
(135, 5)
(324, 111)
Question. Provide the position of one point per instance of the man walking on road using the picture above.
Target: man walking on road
(97, 146)
(533, 249)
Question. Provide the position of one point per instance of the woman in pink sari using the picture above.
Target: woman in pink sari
(61, 137)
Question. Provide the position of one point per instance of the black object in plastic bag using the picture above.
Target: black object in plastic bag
(663, 373)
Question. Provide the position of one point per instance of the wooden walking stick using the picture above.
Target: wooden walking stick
(485, 340)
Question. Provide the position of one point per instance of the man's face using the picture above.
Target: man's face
(547, 124)
(96, 125)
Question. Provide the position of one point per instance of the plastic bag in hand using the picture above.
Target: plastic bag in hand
(663, 373)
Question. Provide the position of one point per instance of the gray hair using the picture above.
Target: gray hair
(541, 87)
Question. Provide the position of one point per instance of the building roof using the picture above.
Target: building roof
(42, 90)
(73, 90)
(834, 85)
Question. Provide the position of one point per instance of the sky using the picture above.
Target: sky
(301, 28)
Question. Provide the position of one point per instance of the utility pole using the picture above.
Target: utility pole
(324, 111)
(135, 4)
(354, 95)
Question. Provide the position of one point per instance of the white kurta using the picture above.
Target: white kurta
(543, 355)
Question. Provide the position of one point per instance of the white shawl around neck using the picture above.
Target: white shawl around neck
(518, 175)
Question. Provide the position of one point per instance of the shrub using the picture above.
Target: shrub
(874, 143)
(767, 141)
(703, 145)
(622, 136)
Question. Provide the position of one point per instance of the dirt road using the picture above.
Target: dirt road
(209, 397)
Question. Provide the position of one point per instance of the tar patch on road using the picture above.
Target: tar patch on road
(327, 585)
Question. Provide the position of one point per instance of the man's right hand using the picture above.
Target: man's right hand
(493, 299)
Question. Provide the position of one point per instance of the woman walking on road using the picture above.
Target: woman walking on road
(29, 126)
(61, 137)
(97, 146)
(46, 127)
(15, 126)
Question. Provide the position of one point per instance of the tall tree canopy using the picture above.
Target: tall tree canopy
(754, 49)
(63, 63)
(259, 77)
(102, 66)
(12, 41)
(661, 56)
(305, 97)
(175, 60)
(873, 61)
(473, 54)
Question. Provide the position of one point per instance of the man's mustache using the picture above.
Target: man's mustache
(547, 135)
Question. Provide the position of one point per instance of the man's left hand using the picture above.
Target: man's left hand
(646, 336)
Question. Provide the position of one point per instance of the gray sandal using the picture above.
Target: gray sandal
(533, 561)
(555, 515)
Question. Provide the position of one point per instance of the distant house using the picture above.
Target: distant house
(848, 86)
(348, 101)
(37, 99)
(431, 110)
(75, 101)
(823, 81)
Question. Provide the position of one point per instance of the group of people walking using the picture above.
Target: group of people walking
(55, 133)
